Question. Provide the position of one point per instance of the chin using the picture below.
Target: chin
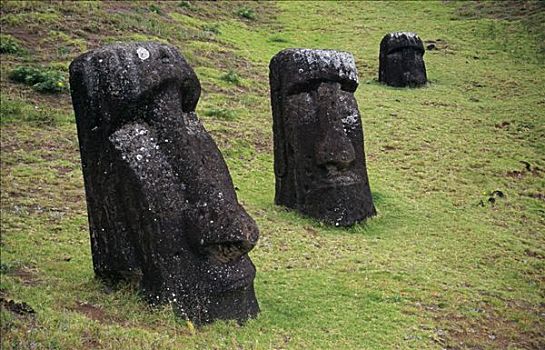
(226, 293)
(226, 277)
(339, 205)
(237, 304)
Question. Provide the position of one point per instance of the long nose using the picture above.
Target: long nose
(230, 237)
(414, 67)
(334, 148)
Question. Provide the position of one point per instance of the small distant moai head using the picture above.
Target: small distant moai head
(319, 159)
(401, 60)
(161, 203)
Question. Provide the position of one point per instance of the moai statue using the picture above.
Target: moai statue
(319, 160)
(161, 203)
(401, 60)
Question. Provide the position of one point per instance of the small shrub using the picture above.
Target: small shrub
(4, 268)
(221, 113)
(9, 44)
(278, 39)
(185, 5)
(7, 267)
(41, 79)
(231, 77)
(247, 13)
(63, 51)
(53, 83)
(212, 28)
(155, 9)
(26, 75)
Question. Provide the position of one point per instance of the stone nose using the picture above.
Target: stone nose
(413, 67)
(334, 148)
(228, 240)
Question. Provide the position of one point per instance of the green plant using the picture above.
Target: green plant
(221, 113)
(231, 77)
(41, 79)
(26, 75)
(9, 44)
(63, 51)
(53, 83)
(4, 268)
(247, 13)
(155, 9)
(212, 28)
(185, 5)
(278, 39)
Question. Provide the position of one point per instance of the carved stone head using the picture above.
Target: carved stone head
(401, 60)
(319, 159)
(161, 203)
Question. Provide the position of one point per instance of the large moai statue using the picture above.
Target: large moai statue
(319, 160)
(401, 60)
(161, 203)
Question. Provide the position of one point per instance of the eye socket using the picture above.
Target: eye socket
(312, 85)
(226, 252)
(305, 87)
(400, 49)
(300, 110)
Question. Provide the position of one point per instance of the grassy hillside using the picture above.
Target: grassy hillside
(445, 264)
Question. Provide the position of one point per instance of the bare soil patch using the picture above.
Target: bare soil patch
(507, 9)
(94, 312)
(491, 330)
(18, 308)
(27, 276)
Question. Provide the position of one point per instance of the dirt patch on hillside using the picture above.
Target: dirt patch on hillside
(527, 170)
(17, 308)
(95, 312)
(490, 329)
(27, 276)
(507, 9)
(52, 143)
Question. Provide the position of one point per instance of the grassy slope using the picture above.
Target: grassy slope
(433, 270)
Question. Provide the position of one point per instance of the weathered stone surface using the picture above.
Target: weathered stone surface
(401, 60)
(161, 203)
(319, 159)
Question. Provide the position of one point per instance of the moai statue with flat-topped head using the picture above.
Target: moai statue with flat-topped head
(161, 203)
(319, 159)
(401, 60)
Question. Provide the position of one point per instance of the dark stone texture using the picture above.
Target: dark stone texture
(401, 60)
(161, 203)
(319, 159)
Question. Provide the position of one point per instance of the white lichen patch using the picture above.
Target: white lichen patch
(406, 34)
(350, 120)
(142, 53)
(342, 62)
(192, 123)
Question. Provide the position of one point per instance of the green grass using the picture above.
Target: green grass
(435, 269)
(220, 113)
